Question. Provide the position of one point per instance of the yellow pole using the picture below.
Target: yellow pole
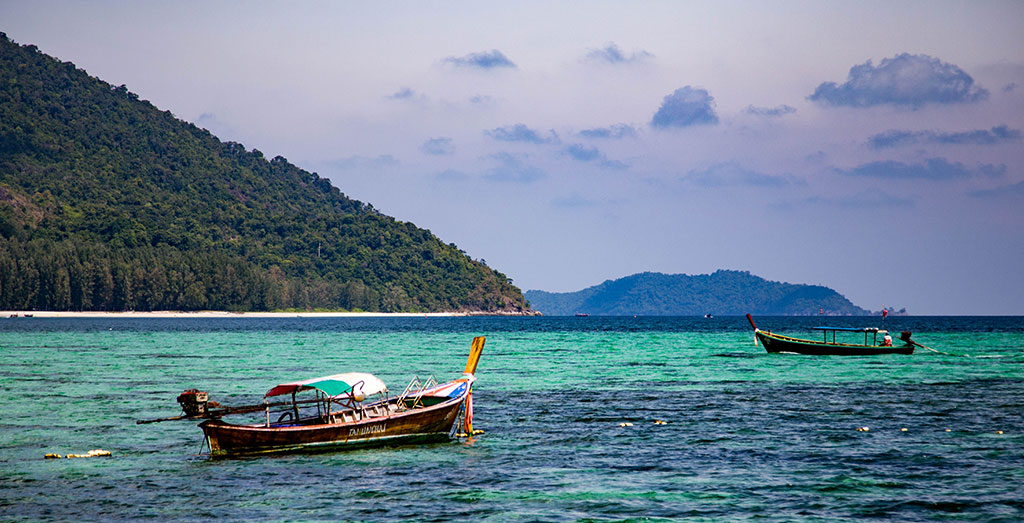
(474, 357)
(474, 354)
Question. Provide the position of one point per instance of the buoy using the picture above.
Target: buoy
(862, 429)
(948, 430)
(904, 429)
(478, 431)
(660, 422)
(626, 424)
(999, 432)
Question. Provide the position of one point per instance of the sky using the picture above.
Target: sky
(872, 147)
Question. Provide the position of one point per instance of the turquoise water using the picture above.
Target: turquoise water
(748, 435)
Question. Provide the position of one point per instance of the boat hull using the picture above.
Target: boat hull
(777, 343)
(426, 424)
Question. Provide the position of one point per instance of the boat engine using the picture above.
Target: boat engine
(905, 336)
(194, 402)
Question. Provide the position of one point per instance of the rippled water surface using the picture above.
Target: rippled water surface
(748, 435)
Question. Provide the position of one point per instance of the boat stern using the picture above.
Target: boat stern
(210, 433)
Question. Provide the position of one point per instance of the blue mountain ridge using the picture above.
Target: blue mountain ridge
(724, 292)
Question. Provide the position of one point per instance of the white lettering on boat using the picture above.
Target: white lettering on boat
(369, 429)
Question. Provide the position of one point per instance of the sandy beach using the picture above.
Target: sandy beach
(224, 314)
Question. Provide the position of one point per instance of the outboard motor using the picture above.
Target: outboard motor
(905, 336)
(194, 402)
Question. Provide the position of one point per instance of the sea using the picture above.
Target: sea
(584, 419)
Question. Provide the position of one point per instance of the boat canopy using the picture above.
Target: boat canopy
(360, 382)
(852, 329)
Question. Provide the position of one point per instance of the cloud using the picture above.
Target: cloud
(583, 153)
(587, 154)
(869, 200)
(904, 80)
(771, 112)
(438, 146)
(481, 100)
(614, 132)
(451, 175)
(404, 93)
(931, 169)
(896, 137)
(816, 157)
(611, 54)
(685, 107)
(521, 133)
(1008, 88)
(1013, 192)
(511, 169)
(731, 174)
(493, 59)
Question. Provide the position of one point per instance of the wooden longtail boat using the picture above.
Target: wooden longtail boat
(345, 411)
(825, 347)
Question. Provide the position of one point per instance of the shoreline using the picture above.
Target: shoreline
(228, 314)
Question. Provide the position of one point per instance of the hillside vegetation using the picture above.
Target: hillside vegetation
(721, 293)
(107, 203)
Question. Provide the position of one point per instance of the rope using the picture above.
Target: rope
(940, 352)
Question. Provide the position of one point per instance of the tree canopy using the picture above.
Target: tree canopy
(108, 203)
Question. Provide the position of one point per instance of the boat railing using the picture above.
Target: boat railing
(416, 388)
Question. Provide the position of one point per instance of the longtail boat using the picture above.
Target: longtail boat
(339, 411)
(830, 347)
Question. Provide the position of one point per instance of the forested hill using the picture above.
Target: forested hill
(721, 293)
(107, 203)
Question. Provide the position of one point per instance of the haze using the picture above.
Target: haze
(873, 147)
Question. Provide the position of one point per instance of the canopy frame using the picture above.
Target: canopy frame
(875, 331)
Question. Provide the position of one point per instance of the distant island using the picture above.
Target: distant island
(721, 293)
(110, 204)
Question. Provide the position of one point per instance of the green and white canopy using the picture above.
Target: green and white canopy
(359, 383)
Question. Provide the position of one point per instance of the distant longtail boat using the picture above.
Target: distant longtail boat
(826, 347)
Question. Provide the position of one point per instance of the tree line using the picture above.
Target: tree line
(108, 203)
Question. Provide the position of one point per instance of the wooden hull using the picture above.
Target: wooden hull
(433, 423)
(777, 343)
